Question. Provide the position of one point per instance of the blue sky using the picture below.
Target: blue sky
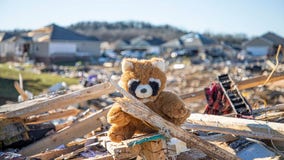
(252, 17)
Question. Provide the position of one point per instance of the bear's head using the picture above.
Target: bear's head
(144, 79)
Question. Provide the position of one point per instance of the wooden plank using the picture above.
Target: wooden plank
(52, 116)
(271, 116)
(77, 129)
(71, 154)
(121, 150)
(52, 154)
(245, 84)
(153, 150)
(28, 108)
(21, 91)
(278, 107)
(220, 138)
(104, 157)
(132, 147)
(236, 126)
(139, 110)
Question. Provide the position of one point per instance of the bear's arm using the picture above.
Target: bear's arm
(173, 107)
(117, 116)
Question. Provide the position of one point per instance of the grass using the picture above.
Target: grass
(35, 83)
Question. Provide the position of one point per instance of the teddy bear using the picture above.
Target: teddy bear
(146, 81)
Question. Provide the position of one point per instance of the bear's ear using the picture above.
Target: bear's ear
(159, 63)
(126, 65)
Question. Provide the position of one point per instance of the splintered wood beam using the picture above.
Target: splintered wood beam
(52, 116)
(236, 126)
(21, 91)
(32, 107)
(278, 107)
(71, 154)
(270, 116)
(121, 150)
(245, 84)
(149, 146)
(52, 154)
(137, 109)
(220, 138)
(77, 129)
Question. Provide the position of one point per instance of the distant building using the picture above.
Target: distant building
(3, 46)
(147, 44)
(119, 45)
(54, 44)
(192, 43)
(14, 47)
(264, 45)
(48, 44)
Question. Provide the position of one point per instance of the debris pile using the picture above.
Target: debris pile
(56, 128)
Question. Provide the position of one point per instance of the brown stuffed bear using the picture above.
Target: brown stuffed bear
(146, 80)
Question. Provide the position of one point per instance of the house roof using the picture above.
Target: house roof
(16, 38)
(189, 39)
(54, 32)
(4, 36)
(197, 36)
(150, 40)
(274, 38)
(257, 40)
(268, 38)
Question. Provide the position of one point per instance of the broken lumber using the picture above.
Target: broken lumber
(78, 129)
(236, 126)
(220, 138)
(121, 150)
(245, 84)
(153, 150)
(36, 106)
(149, 147)
(52, 116)
(55, 153)
(139, 110)
(21, 91)
(270, 116)
(71, 154)
(277, 107)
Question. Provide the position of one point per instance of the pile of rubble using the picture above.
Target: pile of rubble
(55, 128)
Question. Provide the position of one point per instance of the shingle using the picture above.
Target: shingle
(59, 33)
(4, 36)
(276, 39)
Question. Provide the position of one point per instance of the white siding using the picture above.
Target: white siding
(57, 47)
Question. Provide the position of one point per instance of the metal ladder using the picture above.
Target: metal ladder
(239, 104)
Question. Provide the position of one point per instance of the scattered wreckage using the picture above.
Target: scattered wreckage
(231, 129)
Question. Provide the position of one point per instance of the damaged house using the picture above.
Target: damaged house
(54, 43)
(12, 47)
(192, 44)
(264, 45)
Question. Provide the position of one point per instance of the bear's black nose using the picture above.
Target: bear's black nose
(143, 90)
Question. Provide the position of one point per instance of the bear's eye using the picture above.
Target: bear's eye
(133, 82)
(132, 85)
(155, 85)
(154, 80)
